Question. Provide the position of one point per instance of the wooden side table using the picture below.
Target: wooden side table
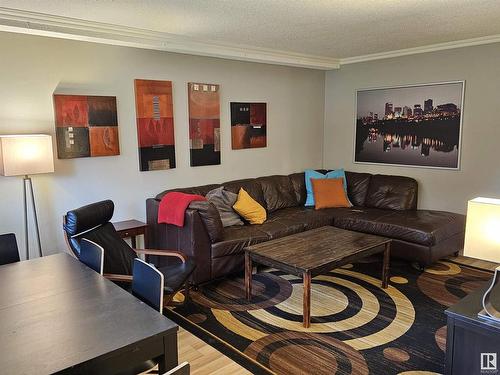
(131, 229)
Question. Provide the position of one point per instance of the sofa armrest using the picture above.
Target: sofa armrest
(192, 239)
(211, 219)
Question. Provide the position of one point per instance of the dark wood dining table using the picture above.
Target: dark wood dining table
(59, 316)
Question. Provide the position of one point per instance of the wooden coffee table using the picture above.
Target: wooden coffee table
(313, 253)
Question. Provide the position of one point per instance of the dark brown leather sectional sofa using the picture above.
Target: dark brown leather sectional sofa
(383, 205)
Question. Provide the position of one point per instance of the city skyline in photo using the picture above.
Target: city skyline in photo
(375, 100)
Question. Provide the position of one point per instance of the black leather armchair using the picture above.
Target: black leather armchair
(92, 222)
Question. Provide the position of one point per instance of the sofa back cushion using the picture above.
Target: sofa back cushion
(251, 186)
(278, 192)
(299, 187)
(357, 187)
(392, 192)
(197, 190)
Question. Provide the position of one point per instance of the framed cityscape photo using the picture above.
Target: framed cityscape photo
(415, 126)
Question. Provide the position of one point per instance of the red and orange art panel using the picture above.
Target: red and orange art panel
(86, 126)
(248, 125)
(204, 123)
(155, 124)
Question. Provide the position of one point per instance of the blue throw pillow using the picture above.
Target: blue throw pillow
(311, 173)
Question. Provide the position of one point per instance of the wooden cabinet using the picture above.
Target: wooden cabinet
(472, 344)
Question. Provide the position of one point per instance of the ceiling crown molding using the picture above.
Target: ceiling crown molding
(33, 23)
(423, 49)
(25, 22)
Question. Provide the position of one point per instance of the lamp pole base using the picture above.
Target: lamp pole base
(490, 312)
(28, 185)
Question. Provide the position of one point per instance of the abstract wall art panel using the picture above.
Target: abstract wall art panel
(155, 124)
(86, 126)
(204, 124)
(417, 125)
(248, 125)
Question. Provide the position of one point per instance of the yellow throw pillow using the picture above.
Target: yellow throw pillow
(249, 209)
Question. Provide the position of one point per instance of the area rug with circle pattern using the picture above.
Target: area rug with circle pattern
(356, 326)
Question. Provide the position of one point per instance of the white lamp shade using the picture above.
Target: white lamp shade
(482, 230)
(26, 154)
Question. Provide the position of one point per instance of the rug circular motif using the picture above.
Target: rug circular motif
(398, 280)
(197, 318)
(229, 294)
(440, 337)
(444, 268)
(283, 353)
(447, 288)
(396, 355)
(355, 323)
(352, 307)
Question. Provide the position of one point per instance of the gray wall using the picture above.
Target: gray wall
(33, 68)
(479, 174)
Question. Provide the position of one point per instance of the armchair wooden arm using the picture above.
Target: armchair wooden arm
(168, 253)
(116, 277)
(128, 278)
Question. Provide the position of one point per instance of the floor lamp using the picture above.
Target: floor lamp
(25, 155)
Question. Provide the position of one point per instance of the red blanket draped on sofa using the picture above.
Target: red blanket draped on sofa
(173, 206)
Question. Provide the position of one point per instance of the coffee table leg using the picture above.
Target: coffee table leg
(385, 269)
(307, 300)
(248, 276)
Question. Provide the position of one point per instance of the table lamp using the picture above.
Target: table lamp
(24, 155)
(482, 241)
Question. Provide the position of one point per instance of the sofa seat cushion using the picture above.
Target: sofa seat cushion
(277, 226)
(307, 216)
(236, 238)
(423, 227)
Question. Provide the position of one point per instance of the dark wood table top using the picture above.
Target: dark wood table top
(467, 308)
(316, 250)
(128, 225)
(56, 313)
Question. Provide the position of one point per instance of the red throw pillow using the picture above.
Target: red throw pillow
(329, 193)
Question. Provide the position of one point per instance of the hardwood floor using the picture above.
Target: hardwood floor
(476, 263)
(203, 358)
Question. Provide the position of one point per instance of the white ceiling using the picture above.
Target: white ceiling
(329, 28)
